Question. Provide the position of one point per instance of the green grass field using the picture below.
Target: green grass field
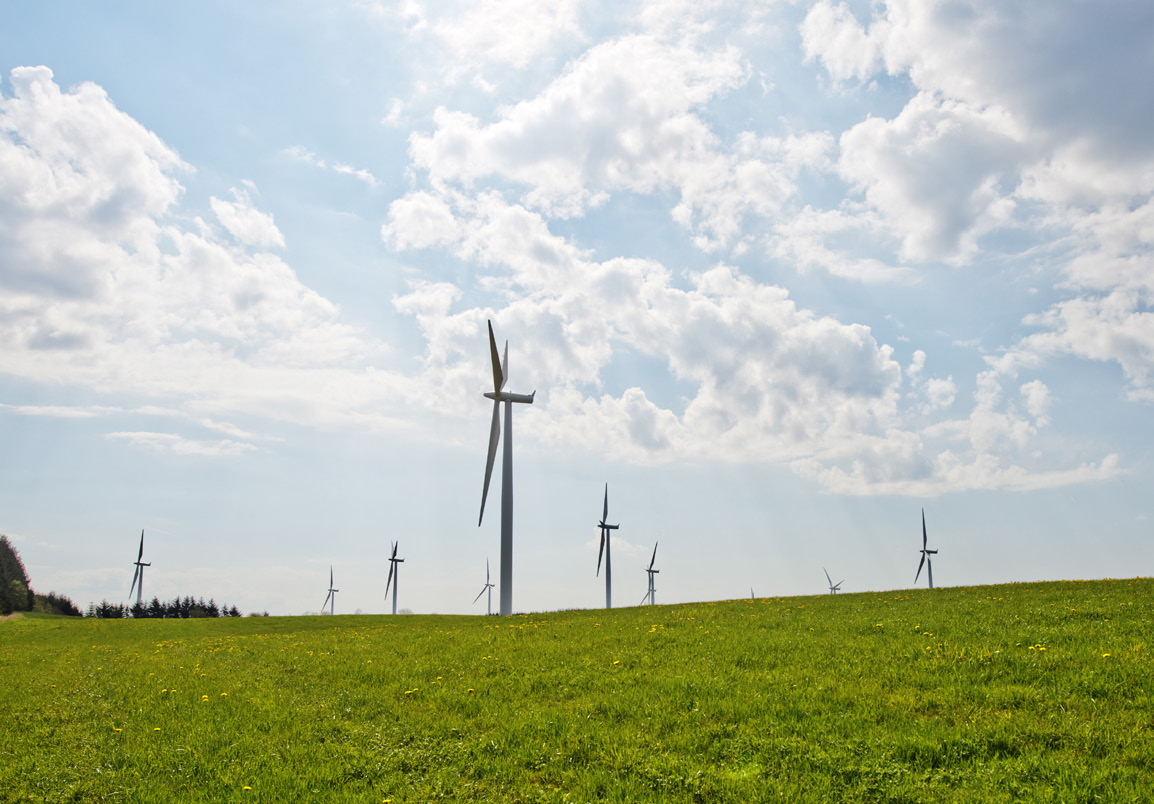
(1026, 692)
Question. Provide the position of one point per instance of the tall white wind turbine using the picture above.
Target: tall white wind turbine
(331, 596)
(499, 395)
(394, 575)
(488, 587)
(604, 549)
(138, 576)
(652, 593)
(834, 588)
(926, 560)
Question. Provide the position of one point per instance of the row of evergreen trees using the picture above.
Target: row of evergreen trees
(177, 608)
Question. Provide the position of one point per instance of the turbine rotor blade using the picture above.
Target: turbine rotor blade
(923, 528)
(823, 569)
(600, 552)
(135, 575)
(654, 555)
(494, 437)
(483, 590)
(498, 373)
(605, 511)
(140, 554)
(390, 580)
(920, 564)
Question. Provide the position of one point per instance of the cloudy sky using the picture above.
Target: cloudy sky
(781, 274)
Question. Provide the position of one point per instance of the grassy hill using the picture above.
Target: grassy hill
(1035, 692)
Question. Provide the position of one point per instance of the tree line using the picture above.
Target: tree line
(177, 608)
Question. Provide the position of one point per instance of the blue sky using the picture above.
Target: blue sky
(781, 274)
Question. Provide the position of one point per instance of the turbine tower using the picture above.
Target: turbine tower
(926, 560)
(332, 595)
(139, 574)
(834, 588)
(605, 549)
(394, 575)
(488, 587)
(499, 395)
(651, 594)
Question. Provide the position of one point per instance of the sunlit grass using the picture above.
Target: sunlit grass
(1023, 692)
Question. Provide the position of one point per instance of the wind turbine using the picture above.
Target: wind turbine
(488, 587)
(394, 575)
(332, 595)
(834, 588)
(652, 590)
(605, 549)
(139, 574)
(498, 395)
(926, 555)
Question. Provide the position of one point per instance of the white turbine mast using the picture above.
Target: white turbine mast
(499, 395)
(488, 587)
(926, 560)
(604, 549)
(138, 576)
(394, 575)
(331, 597)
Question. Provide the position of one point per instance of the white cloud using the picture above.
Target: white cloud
(513, 32)
(248, 225)
(113, 295)
(169, 442)
(832, 35)
(621, 118)
(340, 168)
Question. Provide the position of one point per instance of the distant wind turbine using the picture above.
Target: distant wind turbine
(139, 574)
(488, 587)
(499, 395)
(834, 588)
(926, 560)
(332, 595)
(751, 597)
(394, 575)
(605, 549)
(651, 594)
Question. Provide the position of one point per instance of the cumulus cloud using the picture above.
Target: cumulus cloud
(104, 288)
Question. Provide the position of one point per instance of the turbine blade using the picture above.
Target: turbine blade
(390, 580)
(654, 555)
(486, 572)
(505, 367)
(135, 575)
(605, 510)
(498, 374)
(600, 552)
(494, 437)
(823, 569)
(478, 597)
(920, 563)
(923, 528)
(330, 594)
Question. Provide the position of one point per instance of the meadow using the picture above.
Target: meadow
(1023, 692)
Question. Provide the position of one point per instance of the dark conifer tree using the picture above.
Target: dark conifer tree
(15, 590)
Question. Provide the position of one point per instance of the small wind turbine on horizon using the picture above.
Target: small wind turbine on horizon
(139, 574)
(834, 588)
(499, 395)
(926, 560)
(331, 596)
(488, 587)
(605, 549)
(652, 593)
(394, 575)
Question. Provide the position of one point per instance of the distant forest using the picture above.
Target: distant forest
(177, 608)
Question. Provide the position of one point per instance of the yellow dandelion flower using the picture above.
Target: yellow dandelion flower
(116, 729)
(618, 661)
(1105, 655)
(157, 729)
(471, 689)
(246, 787)
(204, 697)
(224, 695)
